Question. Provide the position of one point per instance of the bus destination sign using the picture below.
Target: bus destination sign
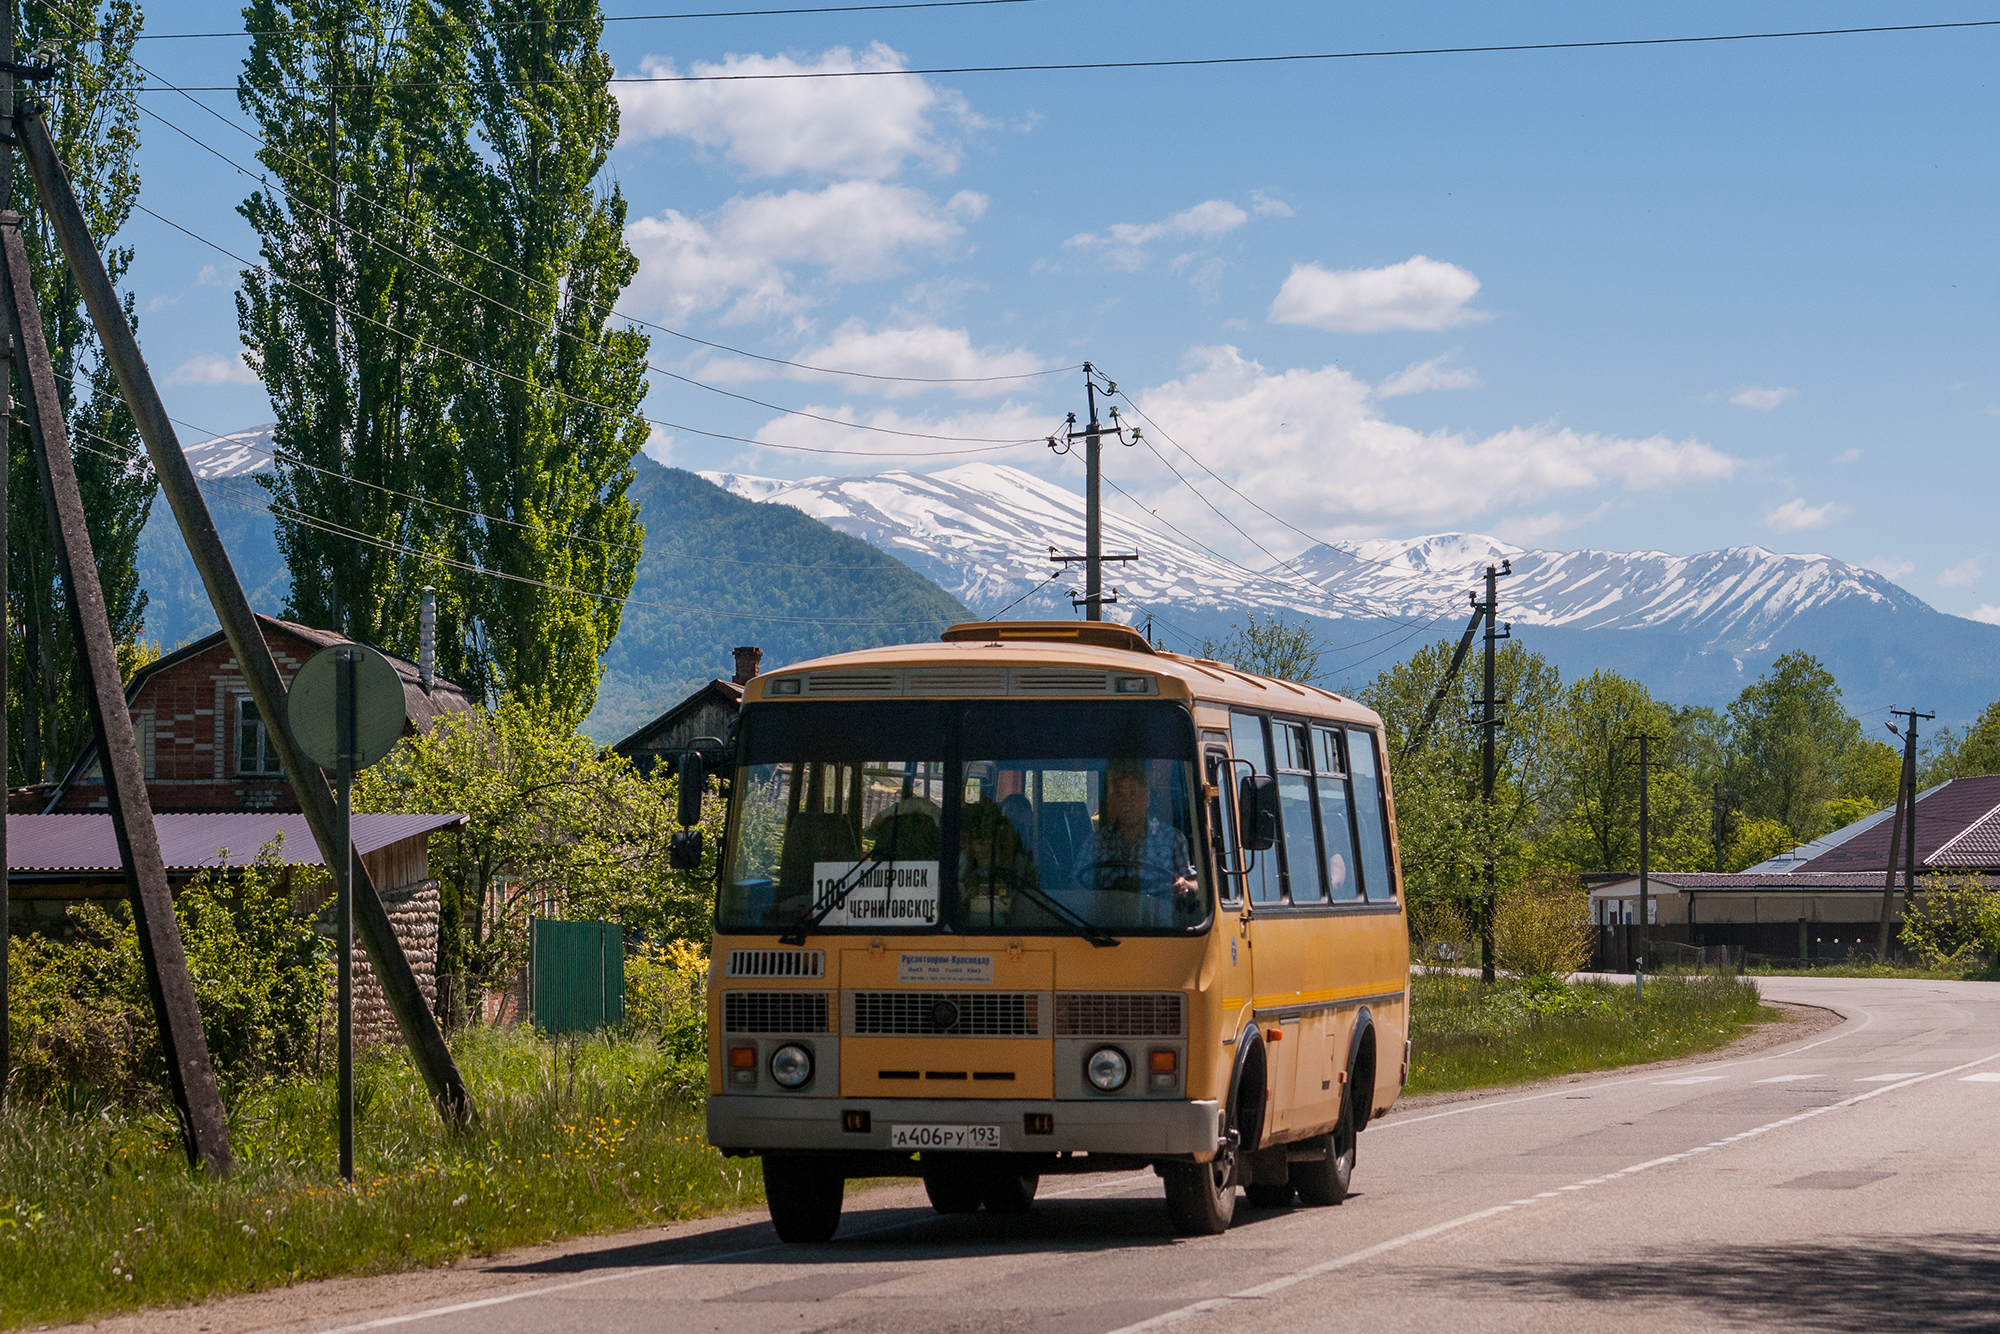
(879, 894)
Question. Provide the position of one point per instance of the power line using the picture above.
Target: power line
(242, 500)
(625, 18)
(609, 311)
(425, 345)
(485, 299)
(1186, 63)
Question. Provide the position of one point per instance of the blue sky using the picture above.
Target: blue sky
(1674, 298)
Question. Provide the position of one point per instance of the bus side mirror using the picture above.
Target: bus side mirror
(1257, 809)
(684, 850)
(693, 778)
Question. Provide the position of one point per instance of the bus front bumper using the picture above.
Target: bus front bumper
(751, 1124)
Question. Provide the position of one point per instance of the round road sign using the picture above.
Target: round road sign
(378, 706)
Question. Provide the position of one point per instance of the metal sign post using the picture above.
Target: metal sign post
(346, 709)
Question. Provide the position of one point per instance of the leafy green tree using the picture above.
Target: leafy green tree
(1946, 753)
(345, 328)
(558, 828)
(1755, 840)
(1269, 647)
(93, 117)
(1593, 815)
(1443, 825)
(545, 405)
(1792, 740)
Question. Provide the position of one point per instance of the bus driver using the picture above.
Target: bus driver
(1133, 853)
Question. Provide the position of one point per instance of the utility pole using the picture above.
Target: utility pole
(1645, 857)
(1489, 759)
(6, 618)
(1903, 830)
(1093, 600)
(1723, 799)
(1093, 508)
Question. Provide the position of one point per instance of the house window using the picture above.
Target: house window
(254, 752)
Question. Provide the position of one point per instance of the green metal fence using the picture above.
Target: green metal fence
(576, 973)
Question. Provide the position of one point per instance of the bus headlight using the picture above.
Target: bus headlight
(1107, 1069)
(791, 1066)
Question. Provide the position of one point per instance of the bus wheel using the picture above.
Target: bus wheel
(1009, 1192)
(1201, 1197)
(953, 1188)
(1326, 1181)
(804, 1195)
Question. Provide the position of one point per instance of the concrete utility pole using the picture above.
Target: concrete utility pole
(413, 1015)
(1903, 831)
(6, 617)
(1489, 760)
(1645, 857)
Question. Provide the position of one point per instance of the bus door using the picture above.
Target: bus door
(1233, 974)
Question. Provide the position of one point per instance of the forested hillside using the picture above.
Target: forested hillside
(774, 577)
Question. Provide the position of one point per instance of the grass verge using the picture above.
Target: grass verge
(1979, 973)
(1470, 1035)
(98, 1212)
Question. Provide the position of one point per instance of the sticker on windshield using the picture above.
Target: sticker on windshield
(918, 969)
(879, 893)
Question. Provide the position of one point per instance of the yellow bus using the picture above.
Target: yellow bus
(1040, 899)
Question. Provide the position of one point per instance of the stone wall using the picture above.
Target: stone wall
(413, 912)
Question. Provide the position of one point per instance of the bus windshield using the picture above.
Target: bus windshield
(1018, 817)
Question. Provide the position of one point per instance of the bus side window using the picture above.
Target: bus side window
(1371, 816)
(1295, 812)
(1222, 823)
(1335, 824)
(1246, 734)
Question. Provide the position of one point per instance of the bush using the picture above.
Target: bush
(666, 998)
(1441, 933)
(83, 1017)
(1542, 927)
(1951, 920)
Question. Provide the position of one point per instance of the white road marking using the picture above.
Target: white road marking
(1279, 1284)
(1983, 1077)
(1397, 1123)
(1888, 1079)
(1780, 1079)
(1691, 1079)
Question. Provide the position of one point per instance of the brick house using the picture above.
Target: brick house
(204, 747)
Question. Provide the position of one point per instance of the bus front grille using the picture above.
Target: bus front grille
(979, 1014)
(1120, 1014)
(776, 963)
(774, 1012)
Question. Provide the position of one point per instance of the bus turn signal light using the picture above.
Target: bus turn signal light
(1165, 1068)
(743, 1066)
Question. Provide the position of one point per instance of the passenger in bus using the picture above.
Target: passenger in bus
(1135, 855)
(993, 861)
(1336, 876)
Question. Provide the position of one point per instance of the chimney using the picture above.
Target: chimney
(427, 623)
(748, 657)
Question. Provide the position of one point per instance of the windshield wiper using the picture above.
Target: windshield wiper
(1086, 928)
(835, 896)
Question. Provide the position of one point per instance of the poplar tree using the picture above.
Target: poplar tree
(436, 327)
(344, 324)
(93, 118)
(545, 402)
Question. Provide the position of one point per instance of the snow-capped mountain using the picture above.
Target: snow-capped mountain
(233, 455)
(983, 531)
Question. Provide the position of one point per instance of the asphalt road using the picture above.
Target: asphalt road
(1847, 1182)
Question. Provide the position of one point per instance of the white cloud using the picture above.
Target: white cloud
(1796, 516)
(1124, 243)
(921, 352)
(1419, 293)
(1424, 376)
(1889, 567)
(1266, 207)
(1987, 613)
(1762, 400)
(1962, 575)
(867, 128)
(209, 277)
(1847, 456)
(1313, 446)
(206, 369)
(855, 230)
(659, 446)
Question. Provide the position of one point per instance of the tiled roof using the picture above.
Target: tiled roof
(1978, 845)
(88, 843)
(1943, 814)
(1777, 883)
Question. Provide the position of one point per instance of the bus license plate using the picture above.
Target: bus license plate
(944, 1137)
